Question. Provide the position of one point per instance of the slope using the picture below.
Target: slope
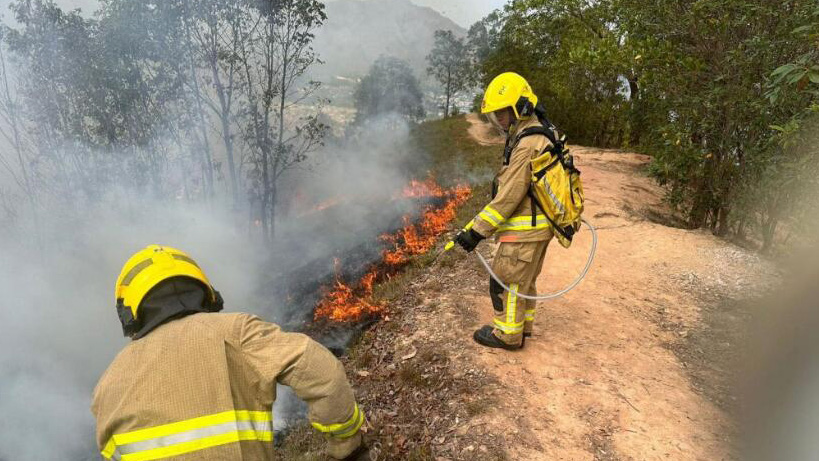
(636, 363)
(357, 32)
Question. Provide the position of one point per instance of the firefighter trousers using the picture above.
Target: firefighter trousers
(518, 265)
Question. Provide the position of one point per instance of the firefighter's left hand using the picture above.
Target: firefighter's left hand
(468, 239)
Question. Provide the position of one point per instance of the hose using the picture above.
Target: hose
(556, 294)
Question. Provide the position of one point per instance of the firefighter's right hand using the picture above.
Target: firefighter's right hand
(468, 239)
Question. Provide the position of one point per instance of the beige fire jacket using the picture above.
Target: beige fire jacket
(202, 387)
(509, 215)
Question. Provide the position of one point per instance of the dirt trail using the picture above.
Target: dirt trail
(599, 379)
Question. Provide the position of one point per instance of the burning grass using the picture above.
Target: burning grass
(352, 303)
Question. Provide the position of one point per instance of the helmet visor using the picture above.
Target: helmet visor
(493, 119)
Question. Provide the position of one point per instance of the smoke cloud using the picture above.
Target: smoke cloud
(59, 326)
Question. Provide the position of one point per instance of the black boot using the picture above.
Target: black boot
(485, 337)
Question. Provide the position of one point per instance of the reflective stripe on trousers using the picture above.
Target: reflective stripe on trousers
(345, 429)
(530, 315)
(190, 435)
(510, 326)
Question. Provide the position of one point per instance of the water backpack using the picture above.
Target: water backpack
(555, 188)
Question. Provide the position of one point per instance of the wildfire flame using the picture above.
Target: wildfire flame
(426, 188)
(344, 303)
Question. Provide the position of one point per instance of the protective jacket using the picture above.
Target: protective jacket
(202, 387)
(509, 215)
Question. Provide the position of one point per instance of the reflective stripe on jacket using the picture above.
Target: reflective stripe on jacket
(203, 386)
(509, 215)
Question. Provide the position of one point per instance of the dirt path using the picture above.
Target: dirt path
(600, 378)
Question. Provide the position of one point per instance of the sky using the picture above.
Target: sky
(463, 12)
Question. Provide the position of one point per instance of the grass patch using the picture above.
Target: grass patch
(394, 395)
(411, 375)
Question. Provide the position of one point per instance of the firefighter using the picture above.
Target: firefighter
(194, 384)
(509, 103)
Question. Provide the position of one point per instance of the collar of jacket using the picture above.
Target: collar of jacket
(171, 299)
(522, 125)
(511, 137)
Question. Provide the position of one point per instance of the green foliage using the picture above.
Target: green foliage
(389, 87)
(449, 63)
(575, 57)
(713, 90)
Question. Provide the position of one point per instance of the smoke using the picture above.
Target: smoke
(95, 206)
(59, 326)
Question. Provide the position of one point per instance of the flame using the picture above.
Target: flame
(344, 303)
(426, 188)
(417, 239)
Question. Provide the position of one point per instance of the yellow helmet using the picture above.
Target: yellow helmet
(146, 269)
(509, 90)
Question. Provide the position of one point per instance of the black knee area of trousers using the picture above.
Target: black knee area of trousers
(496, 293)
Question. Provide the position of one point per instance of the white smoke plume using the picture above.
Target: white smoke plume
(58, 322)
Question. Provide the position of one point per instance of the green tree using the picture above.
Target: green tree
(449, 63)
(718, 93)
(275, 61)
(389, 87)
(704, 67)
(576, 56)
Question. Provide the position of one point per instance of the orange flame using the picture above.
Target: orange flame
(345, 304)
(342, 304)
(426, 188)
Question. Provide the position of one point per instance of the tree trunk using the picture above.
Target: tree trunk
(273, 197)
(448, 93)
(699, 210)
(265, 194)
(224, 116)
(739, 233)
(207, 156)
(636, 115)
(768, 232)
(280, 150)
(722, 222)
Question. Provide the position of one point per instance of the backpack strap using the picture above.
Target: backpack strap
(542, 130)
(531, 131)
(557, 150)
(567, 232)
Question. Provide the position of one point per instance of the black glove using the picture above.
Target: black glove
(468, 239)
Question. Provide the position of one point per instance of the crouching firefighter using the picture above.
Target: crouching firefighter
(518, 216)
(194, 384)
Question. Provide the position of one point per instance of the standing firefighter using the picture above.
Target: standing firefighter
(512, 216)
(197, 385)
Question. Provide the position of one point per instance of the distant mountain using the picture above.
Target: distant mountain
(358, 31)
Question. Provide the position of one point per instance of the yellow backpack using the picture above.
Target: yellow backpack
(555, 189)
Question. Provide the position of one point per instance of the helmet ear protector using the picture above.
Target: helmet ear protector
(524, 107)
(131, 326)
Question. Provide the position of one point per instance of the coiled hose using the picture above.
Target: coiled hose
(556, 294)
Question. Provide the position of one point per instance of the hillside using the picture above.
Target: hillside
(357, 32)
(637, 363)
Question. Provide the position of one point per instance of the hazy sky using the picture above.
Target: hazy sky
(463, 12)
